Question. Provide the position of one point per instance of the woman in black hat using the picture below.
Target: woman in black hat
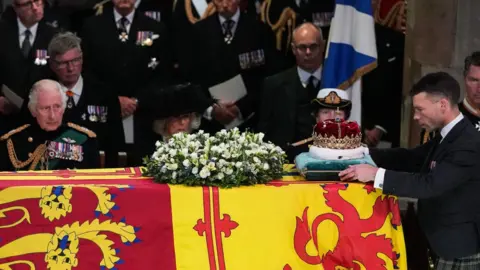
(174, 109)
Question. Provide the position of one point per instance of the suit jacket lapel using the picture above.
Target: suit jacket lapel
(14, 37)
(134, 28)
(451, 137)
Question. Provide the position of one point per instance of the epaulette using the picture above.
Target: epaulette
(12, 132)
(99, 7)
(85, 130)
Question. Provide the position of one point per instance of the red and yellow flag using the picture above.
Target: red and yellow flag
(116, 219)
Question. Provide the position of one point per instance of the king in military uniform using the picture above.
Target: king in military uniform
(47, 143)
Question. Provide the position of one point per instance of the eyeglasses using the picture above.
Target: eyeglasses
(304, 47)
(65, 64)
(29, 4)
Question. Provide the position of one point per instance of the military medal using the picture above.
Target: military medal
(41, 57)
(84, 117)
(123, 37)
(156, 15)
(228, 39)
(103, 114)
(144, 38)
(92, 114)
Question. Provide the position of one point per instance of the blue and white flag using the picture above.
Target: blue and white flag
(351, 50)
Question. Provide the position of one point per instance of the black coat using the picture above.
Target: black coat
(284, 118)
(17, 72)
(445, 179)
(382, 87)
(26, 140)
(213, 61)
(124, 66)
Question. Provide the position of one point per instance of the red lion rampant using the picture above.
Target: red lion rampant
(352, 249)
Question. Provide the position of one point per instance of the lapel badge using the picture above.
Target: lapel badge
(156, 15)
(153, 63)
(123, 37)
(41, 57)
(53, 24)
(84, 117)
(68, 140)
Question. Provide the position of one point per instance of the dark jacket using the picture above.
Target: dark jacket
(444, 177)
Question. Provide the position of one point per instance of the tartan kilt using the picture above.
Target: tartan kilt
(466, 263)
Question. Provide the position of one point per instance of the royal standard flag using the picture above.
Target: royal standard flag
(288, 226)
(351, 50)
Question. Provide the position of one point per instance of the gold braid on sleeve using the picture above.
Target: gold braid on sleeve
(286, 22)
(32, 160)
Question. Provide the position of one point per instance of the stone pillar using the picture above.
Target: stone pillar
(440, 34)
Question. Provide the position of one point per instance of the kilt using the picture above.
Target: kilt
(466, 263)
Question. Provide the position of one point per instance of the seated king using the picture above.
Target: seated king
(47, 143)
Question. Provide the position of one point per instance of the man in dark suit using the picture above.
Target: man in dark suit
(130, 53)
(286, 109)
(90, 102)
(225, 45)
(384, 83)
(442, 173)
(23, 51)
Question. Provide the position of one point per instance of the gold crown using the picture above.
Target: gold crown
(337, 143)
(337, 134)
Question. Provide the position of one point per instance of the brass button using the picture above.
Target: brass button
(30, 139)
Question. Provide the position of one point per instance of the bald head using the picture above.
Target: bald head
(308, 47)
(305, 30)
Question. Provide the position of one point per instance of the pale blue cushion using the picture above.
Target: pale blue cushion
(305, 162)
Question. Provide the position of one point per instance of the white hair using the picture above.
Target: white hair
(160, 125)
(44, 85)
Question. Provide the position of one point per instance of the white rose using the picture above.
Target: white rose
(238, 164)
(195, 170)
(186, 163)
(266, 166)
(194, 156)
(157, 144)
(172, 166)
(203, 161)
(229, 171)
(204, 173)
(220, 176)
(256, 160)
(261, 136)
(172, 152)
(185, 152)
(226, 154)
(174, 175)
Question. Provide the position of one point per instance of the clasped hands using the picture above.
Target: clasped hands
(363, 172)
(128, 106)
(225, 112)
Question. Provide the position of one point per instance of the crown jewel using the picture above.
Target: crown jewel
(337, 134)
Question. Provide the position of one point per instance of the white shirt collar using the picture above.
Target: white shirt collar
(446, 129)
(305, 75)
(77, 89)
(234, 18)
(22, 28)
(118, 16)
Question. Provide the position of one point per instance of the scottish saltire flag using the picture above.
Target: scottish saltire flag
(351, 50)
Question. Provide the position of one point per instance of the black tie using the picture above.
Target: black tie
(228, 27)
(26, 45)
(123, 25)
(312, 88)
